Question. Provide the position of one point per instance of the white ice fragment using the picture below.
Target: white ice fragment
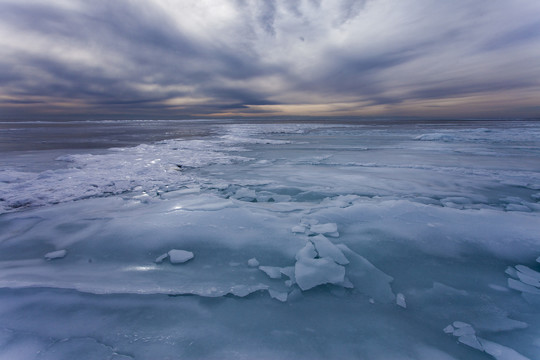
(278, 295)
(472, 341)
(253, 262)
(400, 300)
(538, 259)
(55, 254)
(500, 352)
(162, 257)
(325, 248)
(371, 301)
(298, 229)
(313, 272)
(449, 329)
(179, 256)
(324, 228)
(273, 272)
(307, 252)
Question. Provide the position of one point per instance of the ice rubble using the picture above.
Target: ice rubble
(467, 336)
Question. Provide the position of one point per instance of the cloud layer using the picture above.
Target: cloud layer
(177, 59)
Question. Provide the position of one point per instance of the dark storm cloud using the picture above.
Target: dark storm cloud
(164, 58)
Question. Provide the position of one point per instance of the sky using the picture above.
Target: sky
(169, 59)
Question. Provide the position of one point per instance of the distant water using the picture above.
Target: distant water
(311, 240)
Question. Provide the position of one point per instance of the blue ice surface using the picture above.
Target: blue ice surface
(348, 222)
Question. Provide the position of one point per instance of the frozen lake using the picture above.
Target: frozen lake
(230, 240)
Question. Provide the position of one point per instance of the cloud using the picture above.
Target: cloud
(169, 59)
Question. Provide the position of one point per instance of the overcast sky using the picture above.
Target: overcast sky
(144, 59)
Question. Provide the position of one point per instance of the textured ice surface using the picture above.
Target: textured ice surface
(305, 237)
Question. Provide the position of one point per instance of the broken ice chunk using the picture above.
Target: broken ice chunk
(524, 288)
(307, 252)
(538, 259)
(273, 272)
(160, 258)
(278, 295)
(500, 352)
(55, 254)
(449, 329)
(528, 275)
(472, 341)
(400, 300)
(367, 278)
(324, 228)
(460, 324)
(289, 272)
(326, 248)
(180, 256)
(465, 330)
(511, 271)
(253, 262)
(313, 272)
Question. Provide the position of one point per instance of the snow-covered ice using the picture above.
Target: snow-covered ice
(377, 240)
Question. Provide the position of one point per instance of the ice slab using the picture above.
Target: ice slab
(278, 295)
(366, 278)
(501, 352)
(55, 254)
(179, 256)
(307, 252)
(313, 272)
(467, 336)
(273, 272)
(325, 248)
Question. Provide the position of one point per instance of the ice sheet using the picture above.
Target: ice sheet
(310, 241)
